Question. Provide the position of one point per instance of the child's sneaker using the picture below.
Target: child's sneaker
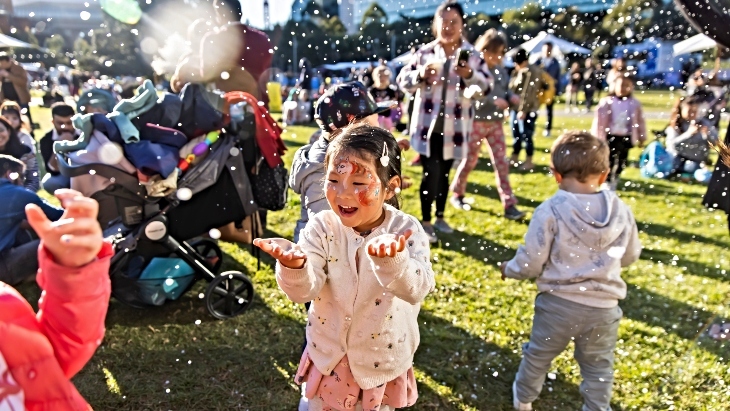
(431, 233)
(519, 406)
(458, 202)
(443, 226)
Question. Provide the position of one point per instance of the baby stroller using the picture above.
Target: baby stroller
(161, 235)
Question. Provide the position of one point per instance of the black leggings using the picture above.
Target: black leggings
(434, 185)
(619, 147)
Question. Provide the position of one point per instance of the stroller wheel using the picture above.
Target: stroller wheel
(228, 295)
(211, 253)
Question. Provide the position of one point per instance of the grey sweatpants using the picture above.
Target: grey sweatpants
(557, 322)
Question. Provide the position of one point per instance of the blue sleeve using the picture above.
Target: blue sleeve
(52, 212)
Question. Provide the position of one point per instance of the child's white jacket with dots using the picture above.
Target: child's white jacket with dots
(363, 306)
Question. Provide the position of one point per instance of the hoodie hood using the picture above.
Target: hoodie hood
(308, 160)
(579, 217)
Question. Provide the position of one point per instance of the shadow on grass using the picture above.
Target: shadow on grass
(656, 187)
(474, 246)
(682, 319)
(694, 268)
(661, 230)
(479, 372)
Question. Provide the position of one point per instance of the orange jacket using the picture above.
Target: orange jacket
(40, 353)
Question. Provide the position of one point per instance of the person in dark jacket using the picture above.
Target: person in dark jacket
(63, 129)
(550, 65)
(718, 190)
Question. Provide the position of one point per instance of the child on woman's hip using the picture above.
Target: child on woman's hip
(365, 265)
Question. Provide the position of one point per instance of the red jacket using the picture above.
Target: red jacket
(268, 132)
(39, 353)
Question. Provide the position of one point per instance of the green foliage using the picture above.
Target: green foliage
(112, 49)
(374, 15)
(633, 15)
(530, 19)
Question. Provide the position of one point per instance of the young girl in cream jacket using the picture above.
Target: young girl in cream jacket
(365, 265)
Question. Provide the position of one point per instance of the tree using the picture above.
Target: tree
(630, 19)
(529, 19)
(374, 15)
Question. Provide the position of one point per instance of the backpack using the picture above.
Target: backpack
(547, 94)
(655, 161)
(269, 178)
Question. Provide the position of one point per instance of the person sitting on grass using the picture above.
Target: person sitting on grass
(40, 352)
(10, 145)
(63, 129)
(576, 244)
(689, 137)
(18, 246)
(13, 113)
(358, 356)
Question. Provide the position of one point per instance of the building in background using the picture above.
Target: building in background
(68, 18)
(351, 11)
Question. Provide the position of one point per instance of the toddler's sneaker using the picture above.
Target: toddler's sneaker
(519, 406)
(512, 213)
(458, 202)
(443, 226)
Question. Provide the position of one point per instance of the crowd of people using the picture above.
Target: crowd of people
(349, 178)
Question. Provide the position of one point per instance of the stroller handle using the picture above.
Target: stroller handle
(118, 176)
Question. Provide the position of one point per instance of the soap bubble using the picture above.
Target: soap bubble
(110, 153)
(234, 151)
(184, 194)
(225, 75)
(214, 233)
(85, 15)
(616, 252)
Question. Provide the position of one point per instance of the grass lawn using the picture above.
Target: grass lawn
(472, 326)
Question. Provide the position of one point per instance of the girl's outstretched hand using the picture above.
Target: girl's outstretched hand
(74, 240)
(388, 246)
(283, 250)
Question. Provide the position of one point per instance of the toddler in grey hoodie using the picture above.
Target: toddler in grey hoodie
(576, 244)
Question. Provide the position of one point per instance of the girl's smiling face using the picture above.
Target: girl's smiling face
(12, 118)
(354, 191)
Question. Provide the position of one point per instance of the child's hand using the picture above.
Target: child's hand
(503, 268)
(283, 250)
(74, 240)
(386, 245)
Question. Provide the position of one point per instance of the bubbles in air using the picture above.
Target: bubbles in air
(184, 194)
(214, 233)
(110, 153)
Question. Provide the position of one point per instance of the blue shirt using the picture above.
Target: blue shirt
(12, 210)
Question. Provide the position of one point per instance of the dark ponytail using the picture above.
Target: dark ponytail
(369, 141)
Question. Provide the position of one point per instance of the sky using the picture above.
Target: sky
(253, 11)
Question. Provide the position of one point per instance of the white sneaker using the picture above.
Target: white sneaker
(303, 404)
(519, 406)
(443, 226)
(546, 133)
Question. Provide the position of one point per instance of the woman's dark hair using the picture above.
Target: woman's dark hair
(13, 147)
(11, 164)
(447, 5)
(675, 119)
(368, 142)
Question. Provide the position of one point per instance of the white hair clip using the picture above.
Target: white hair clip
(385, 159)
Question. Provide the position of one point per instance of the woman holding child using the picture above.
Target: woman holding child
(444, 76)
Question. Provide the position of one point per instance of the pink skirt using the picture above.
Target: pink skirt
(340, 392)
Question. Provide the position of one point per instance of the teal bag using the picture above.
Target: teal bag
(165, 279)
